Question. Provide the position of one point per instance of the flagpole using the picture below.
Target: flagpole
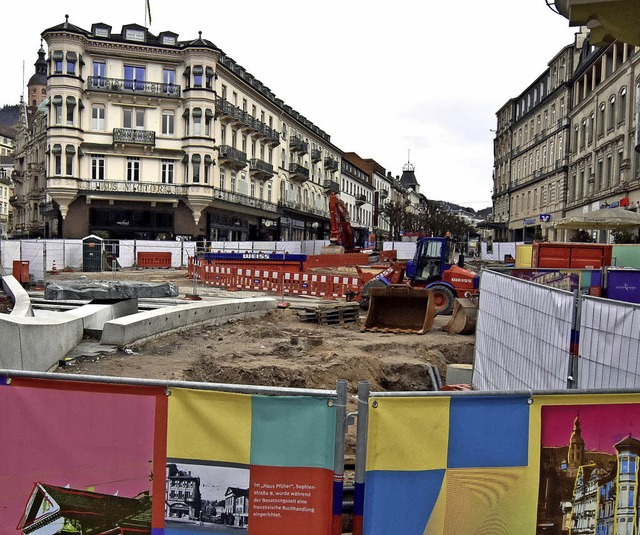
(145, 13)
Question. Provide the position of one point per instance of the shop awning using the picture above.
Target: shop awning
(72, 56)
(71, 102)
(57, 100)
(57, 55)
(70, 149)
(197, 69)
(196, 158)
(209, 71)
(208, 160)
(56, 149)
(187, 72)
(208, 113)
(197, 112)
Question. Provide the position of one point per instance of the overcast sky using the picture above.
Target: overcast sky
(392, 81)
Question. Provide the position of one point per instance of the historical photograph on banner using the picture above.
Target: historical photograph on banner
(589, 469)
(206, 498)
(75, 461)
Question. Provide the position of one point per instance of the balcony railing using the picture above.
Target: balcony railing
(296, 144)
(384, 193)
(230, 113)
(232, 156)
(113, 186)
(304, 208)
(118, 85)
(260, 168)
(316, 155)
(245, 200)
(47, 208)
(298, 171)
(35, 167)
(132, 135)
(360, 200)
(331, 185)
(330, 164)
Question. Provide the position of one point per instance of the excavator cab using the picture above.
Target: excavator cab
(432, 258)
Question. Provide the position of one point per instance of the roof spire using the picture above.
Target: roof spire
(66, 21)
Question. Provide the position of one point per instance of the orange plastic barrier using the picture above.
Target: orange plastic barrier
(154, 260)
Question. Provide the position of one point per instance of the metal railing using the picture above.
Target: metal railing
(260, 167)
(229, 153)
(330, 164)
(245, 200)
(298, 171)
(132, 135)
(296, 144)
(139, 87)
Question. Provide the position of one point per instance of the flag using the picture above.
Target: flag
(149, 11)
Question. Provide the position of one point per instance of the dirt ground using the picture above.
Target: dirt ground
(277, 349)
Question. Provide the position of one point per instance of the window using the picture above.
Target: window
(57, 109)
(168, 40)
(601, 119)
(99, 69)
(97, 167)
(134, 35)
(233, 182)
(97, 117)
(583, 134)
(57, 159)
(252, 191)
(222, 180)
(168, 80)
(195, 161)
(71, 104)
(168, 122)
(133, 169)
(223, 135)
(166, 168)
(244, 105)
(592, 120)
(208, 77)
(101, 31)
(223, 92)
(133, 118)
(72, 57)
(58, 58)
(234, 138)
(208, 117)
(612, 113)
(197, 76)
(622, 108)
(134, 77)
(70, 152)
(197, 121)
(208, 161)
(269, 191)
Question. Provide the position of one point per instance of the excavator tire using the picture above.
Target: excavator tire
(463, 319)
(399, 308)
(443, 299)
(364, 293)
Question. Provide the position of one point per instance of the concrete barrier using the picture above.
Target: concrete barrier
(95, 316)
(21, 299)
(149, 324)
(37, 344)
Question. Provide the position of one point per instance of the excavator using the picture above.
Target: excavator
(406, 298)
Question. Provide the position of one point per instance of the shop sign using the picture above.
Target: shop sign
(545, 217)
(530, 221)
(624, 201)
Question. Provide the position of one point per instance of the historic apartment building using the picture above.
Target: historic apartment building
(152, 137)
(566, 144)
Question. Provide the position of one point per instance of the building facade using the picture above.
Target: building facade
(6, 191)
(566, 145)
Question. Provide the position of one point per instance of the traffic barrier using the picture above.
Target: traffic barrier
(154, 260)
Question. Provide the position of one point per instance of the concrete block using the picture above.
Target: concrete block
(144, 325)
(95, 316)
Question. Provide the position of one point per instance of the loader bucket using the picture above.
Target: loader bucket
(463, 318)
(399, 308)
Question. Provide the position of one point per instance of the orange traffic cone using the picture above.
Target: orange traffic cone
(53, 267)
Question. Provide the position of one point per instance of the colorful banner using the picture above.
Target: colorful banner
(240, 463)
(80, 457)
(509, 464)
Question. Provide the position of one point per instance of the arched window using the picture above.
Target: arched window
(622, 107)
(612, 113)
(195, 161)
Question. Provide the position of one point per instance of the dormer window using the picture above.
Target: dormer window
(168, 40)
(132, 34)
(101, 31)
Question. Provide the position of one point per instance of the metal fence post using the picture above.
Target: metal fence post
(338, 458)
(574, 343)
(361, 456)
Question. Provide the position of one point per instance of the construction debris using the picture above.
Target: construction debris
(331, 314)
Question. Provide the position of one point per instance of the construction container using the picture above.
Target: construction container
(571, 255)
(21, 271)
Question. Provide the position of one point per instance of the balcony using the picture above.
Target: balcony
(231, 157)
(245, 200)
(113, 186)
(298, 172)
(330, 164)
(224, 109)
(316, 155)
(384, 193)
(47, 208)
(132, 136)
(260, 169)
(303, 208)
(331, 185)
(35, 167)
(296, 144)
(361, 199)
(118, 85)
